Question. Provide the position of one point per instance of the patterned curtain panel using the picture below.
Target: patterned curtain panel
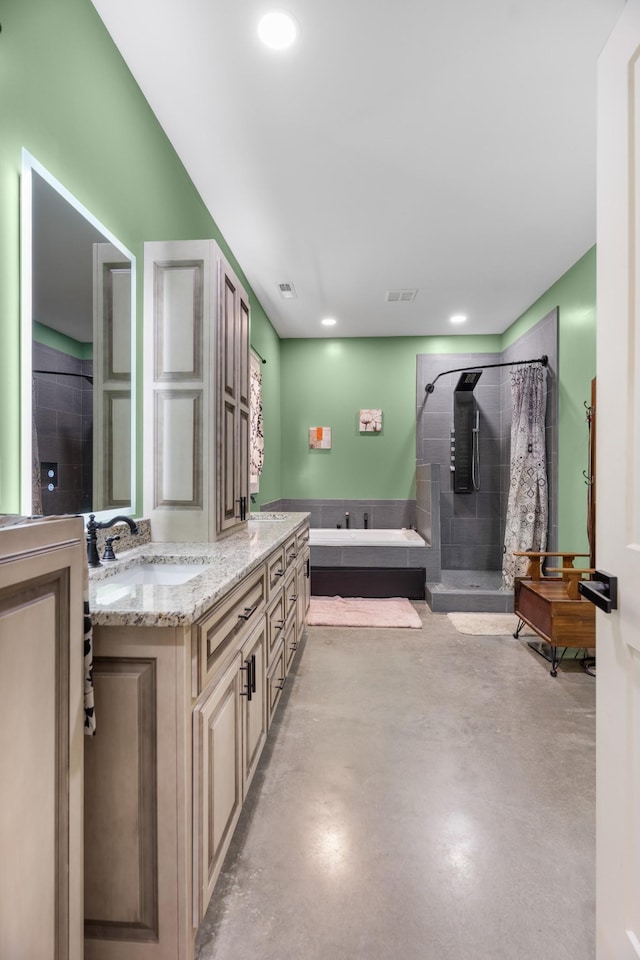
(527, 510)
(256, 435)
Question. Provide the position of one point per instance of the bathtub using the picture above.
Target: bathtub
(364, 538)
(367, 563)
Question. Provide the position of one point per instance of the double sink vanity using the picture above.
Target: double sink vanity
(193, 643)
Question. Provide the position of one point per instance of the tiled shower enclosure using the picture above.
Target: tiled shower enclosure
(468, 529)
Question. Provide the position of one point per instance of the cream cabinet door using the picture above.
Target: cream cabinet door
(41, 739)
(233, 398)
(254, 694)
(217, 787)
(303, 588)
(196, 392)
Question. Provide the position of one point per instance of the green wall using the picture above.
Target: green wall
(575, 295)
(68, 97)
(326, 382)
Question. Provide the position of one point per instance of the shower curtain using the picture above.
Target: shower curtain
(527, 510)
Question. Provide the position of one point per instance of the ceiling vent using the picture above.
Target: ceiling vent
(400, 296)
(287, 291)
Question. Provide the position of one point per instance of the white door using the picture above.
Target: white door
(618, 491)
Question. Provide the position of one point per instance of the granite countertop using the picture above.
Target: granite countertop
(228, 561)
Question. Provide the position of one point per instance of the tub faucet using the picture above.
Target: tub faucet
(93, 526)
(366, 520)
(346, 520)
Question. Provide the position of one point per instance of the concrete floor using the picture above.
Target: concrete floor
(423, 795)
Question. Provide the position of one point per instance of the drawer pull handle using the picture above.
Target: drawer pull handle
(279, 624)
(292, 556)
(280, 684)
(278, 573)
(293, 598)
(250, 684)
(248, 612)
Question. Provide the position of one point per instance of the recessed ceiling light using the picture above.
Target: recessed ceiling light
(458, 318)
(328, 322)
(278, 30)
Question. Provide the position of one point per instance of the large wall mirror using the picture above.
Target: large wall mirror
(78, 359)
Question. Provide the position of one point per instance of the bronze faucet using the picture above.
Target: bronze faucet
(93, 526)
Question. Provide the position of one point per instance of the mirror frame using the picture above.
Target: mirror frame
(30, 164)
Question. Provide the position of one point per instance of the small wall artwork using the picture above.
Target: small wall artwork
(320, 438)
(370, 421)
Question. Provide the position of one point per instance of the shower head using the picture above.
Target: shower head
(468, 380)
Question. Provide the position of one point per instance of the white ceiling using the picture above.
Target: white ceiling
(445, 146)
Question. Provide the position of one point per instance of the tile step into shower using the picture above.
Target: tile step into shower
(469, 591)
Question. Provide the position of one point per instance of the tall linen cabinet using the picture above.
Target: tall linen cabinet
(196, 392)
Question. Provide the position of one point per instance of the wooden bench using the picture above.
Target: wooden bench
(552, 606)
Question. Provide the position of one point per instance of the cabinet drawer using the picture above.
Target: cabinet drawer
(276, 617)
(227, 625)
(290, 594)
(290, 644)
(302, 538)
(275, 681)
(290, 552)
(275, 570)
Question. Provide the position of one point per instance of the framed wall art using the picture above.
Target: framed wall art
(370, 421)
(320, 438)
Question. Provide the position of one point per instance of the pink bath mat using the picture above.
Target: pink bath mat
(357, 612)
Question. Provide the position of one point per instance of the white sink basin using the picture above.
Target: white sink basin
(161, 574)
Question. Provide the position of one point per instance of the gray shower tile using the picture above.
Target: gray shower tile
(434, 473)
(481, 557)
(440, 401)
(490, 449)
(423, 526)
(474, 532)
(433, 569)
(445, 531)
(271, 506)
(47, 423)
(446, 504)
(436, 450)
(326, 556)
(437, 425)
(472, 602)
(489, 477)
(490, 417)
(464, 505)
(488, 504)
(332, 513)
(375, 557)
